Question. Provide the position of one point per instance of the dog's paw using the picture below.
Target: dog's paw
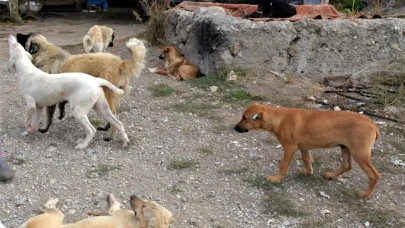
(152, 70)
(24, 133)
(273, 179)
(107, 139)
(307, 172)
(125, 144)
(329, 175)
(43, 130)
(365, 194)
(81, 146)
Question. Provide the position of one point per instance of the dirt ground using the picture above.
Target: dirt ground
(169, 121)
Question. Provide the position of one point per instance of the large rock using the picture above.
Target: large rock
(308, 47)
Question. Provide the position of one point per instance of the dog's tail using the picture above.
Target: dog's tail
(377, 133)
(133, 67)
(102, 82)
(88, 43)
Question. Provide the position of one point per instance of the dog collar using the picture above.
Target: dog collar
(255, 116)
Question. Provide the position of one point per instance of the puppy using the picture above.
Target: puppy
(98, 38)
(176, 65)
(304, 130)
(274, 9)
(143, 214)
(53, 59)
(40, 89)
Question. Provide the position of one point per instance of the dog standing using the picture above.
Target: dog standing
(143, 214)
(53, 59)
(304, 130)
(176, 65)
(39, 89)
(98, 38)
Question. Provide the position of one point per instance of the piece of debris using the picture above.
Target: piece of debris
(322, 193)
(336, 108)
(324, 212)
(311, 98)
(367, 224)
(398, 163)
(231, 76)
(214, 89)
(278, 146)
(278, 74)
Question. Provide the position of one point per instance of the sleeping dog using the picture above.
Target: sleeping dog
(274, 9)
(40, 89)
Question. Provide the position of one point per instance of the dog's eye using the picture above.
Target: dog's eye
(244, 118)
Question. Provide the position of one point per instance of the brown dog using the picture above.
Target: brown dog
(143, 214)
(176, 65)
(299, 129)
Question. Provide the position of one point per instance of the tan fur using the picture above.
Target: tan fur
(149, 215)
(97, 39)
(177, 66)
(103, 65)
(304, 130)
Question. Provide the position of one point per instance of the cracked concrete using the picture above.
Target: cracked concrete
(306, 47)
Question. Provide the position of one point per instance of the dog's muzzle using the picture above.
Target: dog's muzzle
(239, 129)
(161, 57)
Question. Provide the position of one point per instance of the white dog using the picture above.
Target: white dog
(40, 89)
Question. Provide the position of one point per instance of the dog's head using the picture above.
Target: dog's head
(31, 42)
(150, 213)
(252, 119)
(17, 53)
(170, 53)
(111, 44)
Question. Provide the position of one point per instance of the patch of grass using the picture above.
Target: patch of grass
(175, 189)
(205, 151)
(399, 146)
(181, 164)
(310, 180)
(200, 109)
(161, 90)
(124, 108)
(237, 171)
(155, 27)
(260, 182)
(101, 170)
(279, 203)
(381, 218)
(219, 79)
(241, 95)
(96, 122)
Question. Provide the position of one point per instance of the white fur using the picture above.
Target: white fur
(39, 89)
(152, 70)
(2, 226)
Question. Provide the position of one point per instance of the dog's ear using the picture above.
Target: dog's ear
(34, 48)
(257, 116)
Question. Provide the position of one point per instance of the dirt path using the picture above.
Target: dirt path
(169, 121)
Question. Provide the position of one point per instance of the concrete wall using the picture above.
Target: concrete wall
(307, 47)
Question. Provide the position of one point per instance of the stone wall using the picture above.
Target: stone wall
(307, 47)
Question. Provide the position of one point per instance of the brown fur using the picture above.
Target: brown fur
(52, 59)
(98, 39)
(304, 130)
(149, 214)
(177, 66)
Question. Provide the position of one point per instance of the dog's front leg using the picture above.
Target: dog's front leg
(284, 165)
(307, 158)
(35, 120)
(29, 114)
(158, 70)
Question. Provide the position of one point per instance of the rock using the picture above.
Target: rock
(51, 149)
(324, 212)
(286, 223)
(231, 76)
(323, 194)
(71, 212)
(367, 224)
(210, 11)
(398, 163)
(336, 108)
(311, 98)
(214, 89)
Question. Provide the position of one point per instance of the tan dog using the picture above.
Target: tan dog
(304, 130)
(144, 214)
(98, 38)
(52, 59)
(176, 65)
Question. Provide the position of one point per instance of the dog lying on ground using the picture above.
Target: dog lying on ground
(176, 65)
(144, 214)
(274, 9)
(304, 130)
(98, 38)
(39, 89)
(53, 59)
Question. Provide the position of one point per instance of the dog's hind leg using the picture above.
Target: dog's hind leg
(50, 110)
(101, 107)
(363, 157)
(306, 157)
(113, 204)
(81, 117)
(61, 107)
(346, 164)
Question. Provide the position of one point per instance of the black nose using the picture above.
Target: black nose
(161, 57)
(240, 130)
(111, 44)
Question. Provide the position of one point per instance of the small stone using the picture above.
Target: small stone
(325, 102)
(51, 149)
(302, 199)
(342, 180)
(231, 76)
(214, 89)
(71, 212)
(336, 108)
(322, 193)
(52, 181)
(311, 98)
(165, 120)
(367, 224)
(324, 212)
(271, 165)
(286, 223)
